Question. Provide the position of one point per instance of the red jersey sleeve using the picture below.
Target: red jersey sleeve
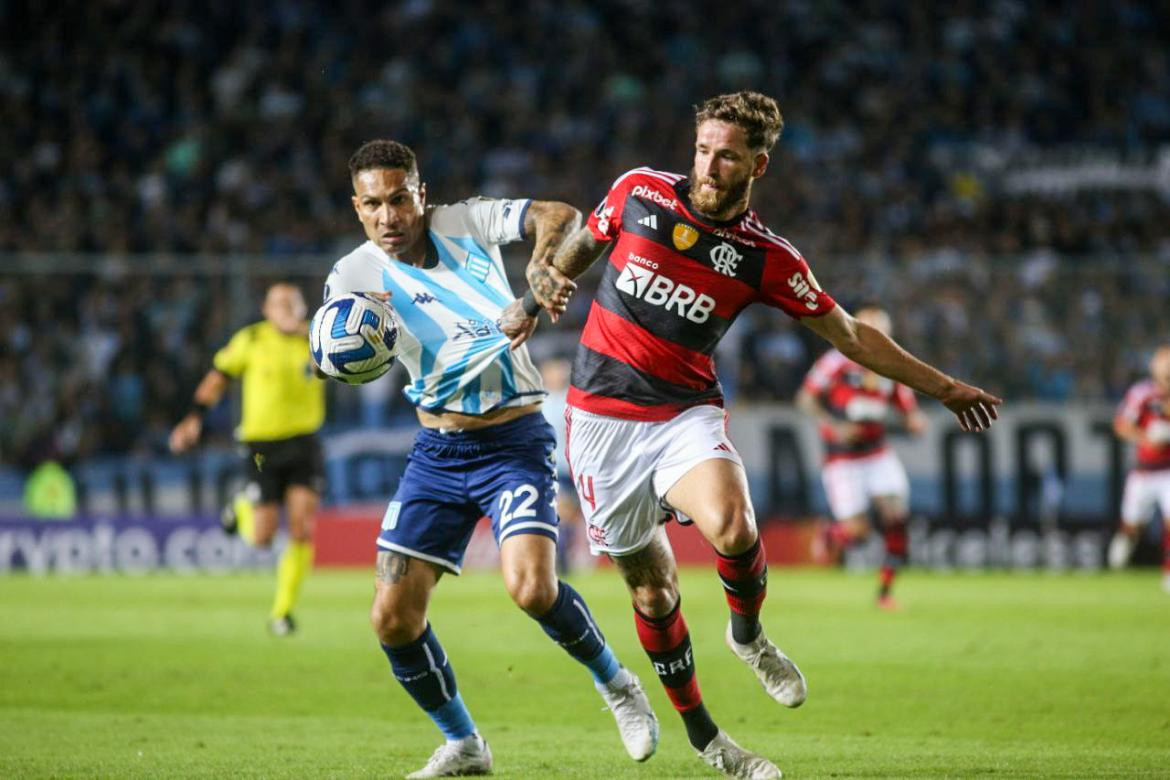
(789, 285)
(820, 376)
(606, 220)
(904, 399)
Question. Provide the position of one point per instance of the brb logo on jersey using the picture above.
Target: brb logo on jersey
(658, 290)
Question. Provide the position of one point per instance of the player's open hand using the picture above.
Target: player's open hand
(551, 288)
(515, 323)
(974, 407)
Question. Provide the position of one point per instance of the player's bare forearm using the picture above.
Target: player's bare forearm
(868, 346)
(550, 222)
(211, 388)
(577, 253)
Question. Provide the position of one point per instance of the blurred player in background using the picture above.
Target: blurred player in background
(554, 372)
(1143, 419)
(485, 448)
(852, 405)
(647, 436)
(283, 407)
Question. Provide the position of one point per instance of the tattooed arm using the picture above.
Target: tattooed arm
(553, 280)
(550, 222)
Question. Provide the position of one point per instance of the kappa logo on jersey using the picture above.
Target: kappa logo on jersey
(658, 290)
(806, 289)
(684, 237)
(649, 193)
(650, 221)
(725, 258)
(424, 297)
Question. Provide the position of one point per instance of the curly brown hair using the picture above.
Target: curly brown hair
(383, 153)
(757, 114)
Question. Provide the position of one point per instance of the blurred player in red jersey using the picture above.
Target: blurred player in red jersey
(852, 406)
(647, 438)
(1144, 419)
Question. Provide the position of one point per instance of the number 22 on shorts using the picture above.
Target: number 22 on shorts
(524, 496)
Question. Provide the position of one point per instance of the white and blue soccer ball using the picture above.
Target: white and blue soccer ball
(353, 337)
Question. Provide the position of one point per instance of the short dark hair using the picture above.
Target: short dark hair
(757, 114)
(383, 153)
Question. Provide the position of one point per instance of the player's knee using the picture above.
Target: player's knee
(655, 601)
(533, 593)
(736, 531)
(262, 537)
(394, 626)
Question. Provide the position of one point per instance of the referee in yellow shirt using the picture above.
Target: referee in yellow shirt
(283, 407)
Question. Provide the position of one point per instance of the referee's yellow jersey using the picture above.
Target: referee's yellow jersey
(282, 396)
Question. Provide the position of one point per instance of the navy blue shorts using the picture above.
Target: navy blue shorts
(506, 472)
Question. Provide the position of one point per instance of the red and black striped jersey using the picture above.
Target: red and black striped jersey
(850, 392)
(1148, 407)
(673, 283)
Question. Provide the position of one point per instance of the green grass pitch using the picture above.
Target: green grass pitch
(1025, 675)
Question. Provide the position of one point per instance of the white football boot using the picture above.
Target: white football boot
(779, 676)
(1120, 550)
(467, 756)
(729, 758)
(636, 721)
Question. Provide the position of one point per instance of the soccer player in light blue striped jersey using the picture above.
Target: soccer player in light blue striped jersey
(484, 448)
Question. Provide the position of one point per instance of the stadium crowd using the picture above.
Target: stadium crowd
(224, 127)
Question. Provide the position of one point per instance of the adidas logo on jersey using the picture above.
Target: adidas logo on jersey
(658, 290)
(650, 221)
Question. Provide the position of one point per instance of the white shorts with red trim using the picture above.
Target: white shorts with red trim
(622, 469)
(852, 483)
(1144, 492)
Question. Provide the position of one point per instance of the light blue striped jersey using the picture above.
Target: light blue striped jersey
(456, 355)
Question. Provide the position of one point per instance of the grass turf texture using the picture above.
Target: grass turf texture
(1005, 675)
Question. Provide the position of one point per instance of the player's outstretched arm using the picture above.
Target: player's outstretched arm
(551, 222)
(186, 433)
(974, 408)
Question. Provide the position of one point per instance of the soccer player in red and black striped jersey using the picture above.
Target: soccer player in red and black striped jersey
(646, 434)
(1143, 419)
(852, 406)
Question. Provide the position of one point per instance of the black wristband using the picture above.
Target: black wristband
(531, 307)
(199, 410)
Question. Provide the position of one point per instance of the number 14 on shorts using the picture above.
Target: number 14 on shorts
(585, 491)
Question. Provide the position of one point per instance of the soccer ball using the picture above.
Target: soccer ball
(353, 338)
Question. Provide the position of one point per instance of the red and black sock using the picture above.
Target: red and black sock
(895, 538)
(745, 583)
(668, 643)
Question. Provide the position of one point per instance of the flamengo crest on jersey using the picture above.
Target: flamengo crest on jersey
(450, 343)
(673, 284)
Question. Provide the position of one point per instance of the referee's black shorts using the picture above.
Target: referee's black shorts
(271, 466)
